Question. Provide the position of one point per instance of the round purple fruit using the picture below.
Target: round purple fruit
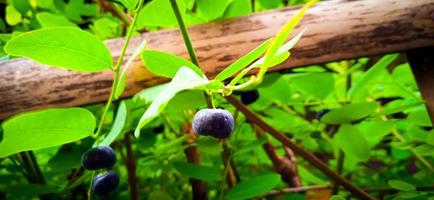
(102, 157)
(217, 123)
(105, 183)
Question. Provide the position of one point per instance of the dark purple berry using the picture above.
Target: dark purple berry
(218, 123)
(105, 183)
(321, 113)
(249, 97)
(102, 157)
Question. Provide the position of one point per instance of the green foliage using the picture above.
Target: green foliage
(165, 64)
(242, 62)
(401, 185)
(42, 129)
(253, 187)
(342, 115)
(378, 118)
(151, 14)
(352, 142)
(68, 48)
(47, 20)
(118, 125)
(211, 9)
(200, 172)
(184, 79)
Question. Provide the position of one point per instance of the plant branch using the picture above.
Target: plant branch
(116, 70)
(184, 32)
(281, 165)
(114, 10)
(311, 158)
(227, 162)
(339, 168)
(188, 43)
(411, 149)
(192, 153)
(131, 167)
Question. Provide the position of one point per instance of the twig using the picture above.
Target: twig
(311, 158)
(282, 165)
(320, 187)
(339, 168)
(193, 156)
(296, 189)
(131, 167)
(114, 10)
(230, 176)
(290, 156)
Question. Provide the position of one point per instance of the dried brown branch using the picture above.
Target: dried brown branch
(285, 166)
(131, 167)
(193, 156)
(311, 158)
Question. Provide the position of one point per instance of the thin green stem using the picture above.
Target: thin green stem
(184, 32)
(116, 70)
(188, 43)
(89, 191)
(415, 153)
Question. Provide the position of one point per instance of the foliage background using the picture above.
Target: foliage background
(378, 118)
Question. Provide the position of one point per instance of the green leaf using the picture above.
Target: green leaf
(401, 185)
(318, 85)
(153, 12)
(270, 4)
(371, 74)
(184, 79)
(211, 9)
(251, 146)
(13, 17)
(170, 146)
(253, 187)
(238, 8)
(118, 125)
(47, 128)
(424, 150)
(196, 171)
(352, 142)
(420, 117)
(129, 4)
(62, 47)
(164, 64)
(31, 190)
(242, 62)
(349, 113)
(47, 19)
(336, 197)
(107, 27)
(283, 34)
(75, 9)
(308, 177)
(278, 91)
(374, 131)
(159, 195)
(149, 94)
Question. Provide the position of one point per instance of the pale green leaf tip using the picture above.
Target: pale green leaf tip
(137, 132)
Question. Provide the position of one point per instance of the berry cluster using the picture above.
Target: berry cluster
(98, 158)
